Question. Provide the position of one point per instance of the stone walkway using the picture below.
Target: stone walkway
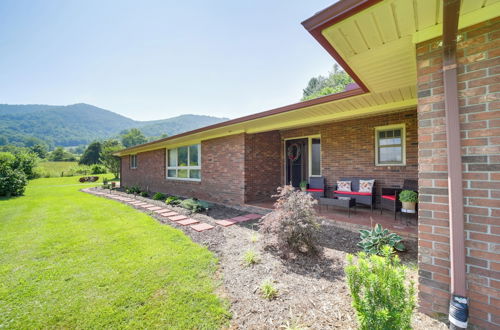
(170, 214)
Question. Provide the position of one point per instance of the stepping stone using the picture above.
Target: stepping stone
(154, 208)
(226, 223)
(135, 203)
(239, 219)
(127, 199)
(253, 216)
(178, 217)
(169, 214)
(161, 211)
(145, 206)
(141, 204)
(202, 227)
(187, 222)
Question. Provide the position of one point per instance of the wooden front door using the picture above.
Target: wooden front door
(296, 161)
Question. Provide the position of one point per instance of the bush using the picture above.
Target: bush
(133, 190)
(268, 290)
(250, 258)
(97, 169)
(193, 205)
(159, 196)
(144, 194)
(173, 200)
(12, 182)
(373, 241)
(292, 225)
(380, 296)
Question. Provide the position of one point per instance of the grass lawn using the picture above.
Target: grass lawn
(73, 260)
(54, 169)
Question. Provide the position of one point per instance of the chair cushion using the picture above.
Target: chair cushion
(391, 197)
(352, 193)
(344, 186)
(366, 185)
(316, 190)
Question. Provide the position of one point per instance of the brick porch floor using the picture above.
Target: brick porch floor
(360, 219)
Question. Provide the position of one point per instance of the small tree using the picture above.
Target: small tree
(12, 180)
(380, 296)
(111, 162)
(292, 225)
(91, 155)
(132, 137)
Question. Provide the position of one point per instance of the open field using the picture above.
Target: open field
(72, 260)
(55, 169)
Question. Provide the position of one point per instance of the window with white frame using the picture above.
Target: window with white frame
(390, 145)
(184, 163)
(133, 161)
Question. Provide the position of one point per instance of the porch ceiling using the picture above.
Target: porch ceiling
(378, 43)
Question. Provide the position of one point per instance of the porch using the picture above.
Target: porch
(360, 218)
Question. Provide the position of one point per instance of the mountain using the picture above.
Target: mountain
(82, 123)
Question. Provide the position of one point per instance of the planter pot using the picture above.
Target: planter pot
(409, 206)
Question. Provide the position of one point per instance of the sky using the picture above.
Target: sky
(151, 59)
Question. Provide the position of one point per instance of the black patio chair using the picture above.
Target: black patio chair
(316, 186)
(390, 196)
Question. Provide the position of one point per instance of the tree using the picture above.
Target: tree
(336, 82)
(92, 154)
(12, 179)
(111, 162)
(132, 137)
(40, 150)
(57, 155)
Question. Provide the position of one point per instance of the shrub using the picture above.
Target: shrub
(373, 241)
(193, 205)
(144, 194)
(268, 290)
(97, 169)
(12, 182)
(250, 258)
(409, 196)
(380, 296)
(173, 200)
(159, 196)
(134, 190)
(292, 225)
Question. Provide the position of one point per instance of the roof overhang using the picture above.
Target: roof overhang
(374, 41)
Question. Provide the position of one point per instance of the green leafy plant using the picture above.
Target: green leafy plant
(409, 196)
(105, 182)
(193, 205)
(251, 258)
(159, 196)
(254, 238)
(372, 241)
(144, 194)
(303, 185)
(267, 290)
(172, 200)
(134, 190)
(380, 295)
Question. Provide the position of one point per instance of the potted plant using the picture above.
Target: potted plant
(409, 198)
(303, 185)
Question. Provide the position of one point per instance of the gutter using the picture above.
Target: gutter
(458, 312)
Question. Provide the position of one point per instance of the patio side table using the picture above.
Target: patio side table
(343, 202)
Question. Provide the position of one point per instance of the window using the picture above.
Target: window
(390, 145)
(315, 157)
(133, 161)
(184, 163)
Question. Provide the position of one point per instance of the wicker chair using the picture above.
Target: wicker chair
(316, 186)
(389, 199)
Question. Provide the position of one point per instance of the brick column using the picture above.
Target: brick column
(479, 92)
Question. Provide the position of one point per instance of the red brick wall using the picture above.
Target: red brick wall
(262, 165)
(348, 149)
(479, 86)
(222, 172)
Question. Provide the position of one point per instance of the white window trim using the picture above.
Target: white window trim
(309, 156)
(184, 167)
(133, 167)
(403, 143)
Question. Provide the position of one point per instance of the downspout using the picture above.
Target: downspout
(458, 312)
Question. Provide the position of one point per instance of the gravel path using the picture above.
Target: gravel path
(312, 291)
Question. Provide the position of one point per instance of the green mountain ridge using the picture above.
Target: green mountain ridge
(82, 123)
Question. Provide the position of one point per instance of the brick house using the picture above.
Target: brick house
(425, 106)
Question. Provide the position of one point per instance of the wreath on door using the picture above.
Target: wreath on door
(293, 152)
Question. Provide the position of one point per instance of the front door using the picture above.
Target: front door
(296, 161)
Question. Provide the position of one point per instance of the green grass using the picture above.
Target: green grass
(54, 169)
(73, 260)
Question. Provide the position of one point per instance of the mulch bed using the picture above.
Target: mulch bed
(313, 292)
